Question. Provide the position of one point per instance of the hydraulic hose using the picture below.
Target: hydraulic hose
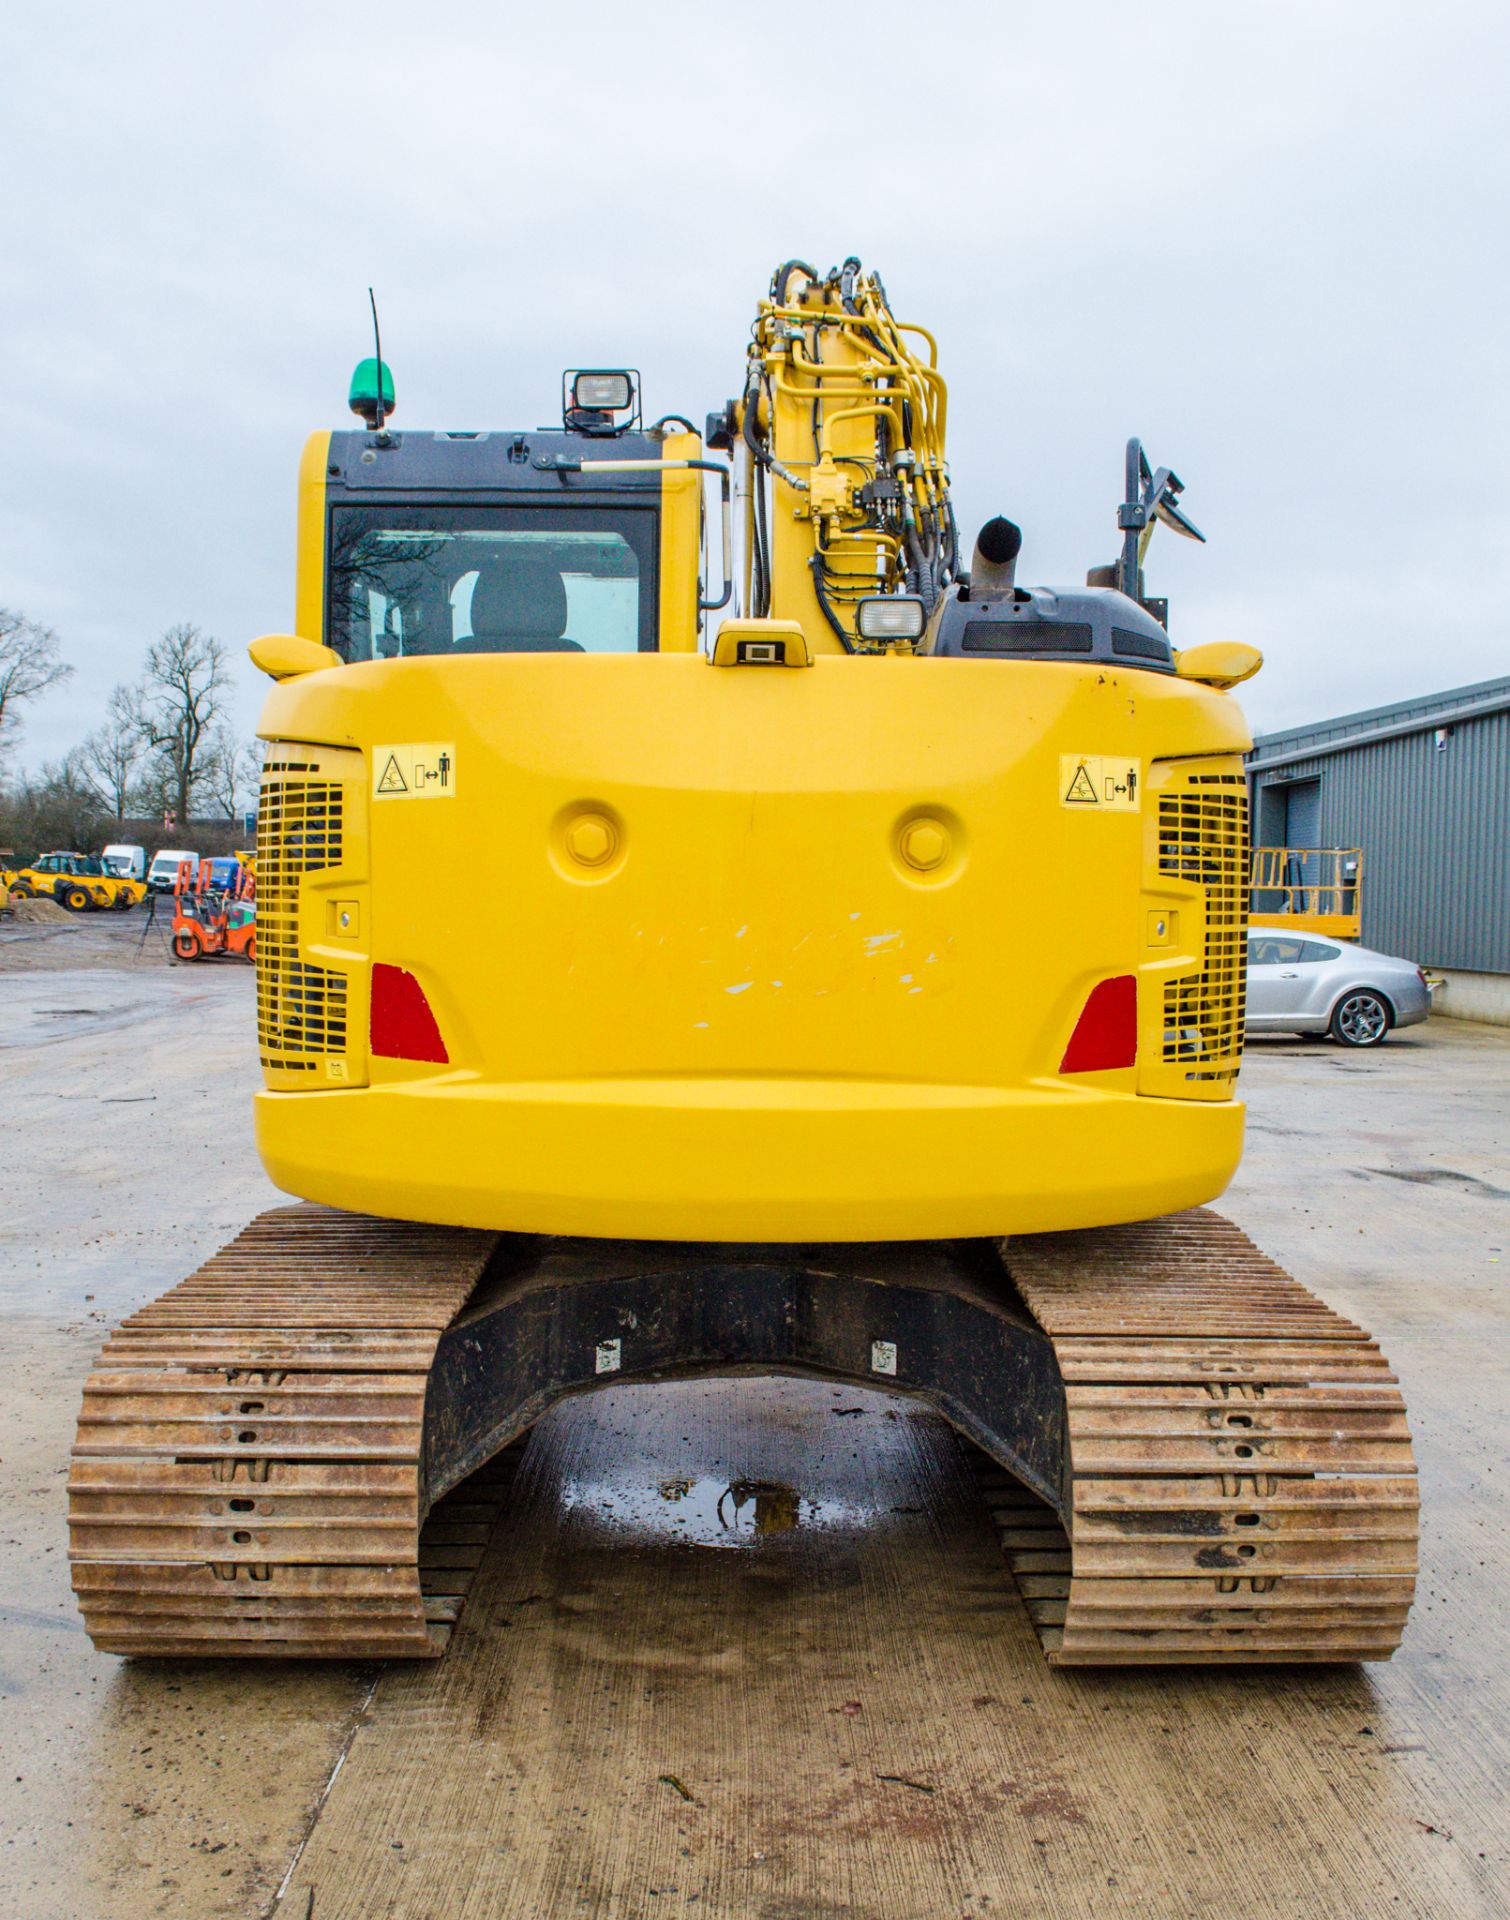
(784, 273)
(820, 587)
(760, 583)
(761, 586)
(847, 276)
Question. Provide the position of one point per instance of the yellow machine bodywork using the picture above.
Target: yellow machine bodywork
(750, 1017)
(762, 955)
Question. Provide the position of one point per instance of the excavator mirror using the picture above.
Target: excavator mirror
(284, 656)
(1152, 495)
(1220, 663)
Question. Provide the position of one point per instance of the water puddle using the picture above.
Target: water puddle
(706, 1511)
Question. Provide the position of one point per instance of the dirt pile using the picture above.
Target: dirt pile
(37, 913)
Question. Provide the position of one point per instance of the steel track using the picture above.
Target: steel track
(1241, 1485)
(257, 1449)
(246, 1474)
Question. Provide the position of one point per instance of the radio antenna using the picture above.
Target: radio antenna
(378, 342)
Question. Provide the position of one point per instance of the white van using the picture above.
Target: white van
(126, 863)
(162, 875)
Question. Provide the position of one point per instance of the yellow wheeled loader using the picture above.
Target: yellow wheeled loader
(78, 881)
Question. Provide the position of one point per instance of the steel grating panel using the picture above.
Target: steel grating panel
(301, 1009)
(1203, 838)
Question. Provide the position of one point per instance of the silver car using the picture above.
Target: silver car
(1302, 983)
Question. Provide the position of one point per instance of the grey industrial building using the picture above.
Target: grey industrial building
(1422, 790)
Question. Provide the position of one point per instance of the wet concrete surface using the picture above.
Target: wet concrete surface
(744, 1647)
(126, 1790)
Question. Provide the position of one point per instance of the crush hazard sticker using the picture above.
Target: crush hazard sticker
(1099, 783)
(417, 770)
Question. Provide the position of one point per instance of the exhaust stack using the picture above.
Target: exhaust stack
(993, 569)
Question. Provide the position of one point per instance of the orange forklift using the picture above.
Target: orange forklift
(214, 911)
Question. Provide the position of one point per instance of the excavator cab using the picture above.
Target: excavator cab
(589, 538)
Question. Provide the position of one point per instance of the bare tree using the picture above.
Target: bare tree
(30, 663)
(231, 769)
(180, 699)
(110, 759)
(52, 810)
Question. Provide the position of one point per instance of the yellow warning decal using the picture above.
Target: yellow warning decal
(1100, 783)
(417, 770)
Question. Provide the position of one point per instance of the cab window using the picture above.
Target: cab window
(411, 580)
(1313, 952)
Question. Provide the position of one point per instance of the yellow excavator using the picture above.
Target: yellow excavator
(860, 995)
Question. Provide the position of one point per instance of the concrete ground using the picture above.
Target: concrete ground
(649, 1707)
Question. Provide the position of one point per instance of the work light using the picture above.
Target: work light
(891, 618)
(602, 392)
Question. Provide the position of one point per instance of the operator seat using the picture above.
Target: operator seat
(519, 606)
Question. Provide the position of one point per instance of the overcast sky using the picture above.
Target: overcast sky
(1270, 239)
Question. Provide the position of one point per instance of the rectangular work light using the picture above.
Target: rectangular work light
(602, 392)
(892, 617)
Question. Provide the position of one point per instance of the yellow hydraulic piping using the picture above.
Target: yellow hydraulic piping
(817, 316)
(928, 373)
(823, 375)
(853, 413)
(815, 366)
(866, 536)
(862, 390)
(911, 326)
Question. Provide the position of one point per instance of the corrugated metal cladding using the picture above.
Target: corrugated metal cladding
(1432, 819)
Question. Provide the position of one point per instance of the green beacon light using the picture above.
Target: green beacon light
(372, 391)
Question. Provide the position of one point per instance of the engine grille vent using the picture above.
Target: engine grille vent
(301, 1010)
(1203, 838)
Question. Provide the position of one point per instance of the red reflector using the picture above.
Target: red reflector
(1106, 1034)
(401, 1026)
